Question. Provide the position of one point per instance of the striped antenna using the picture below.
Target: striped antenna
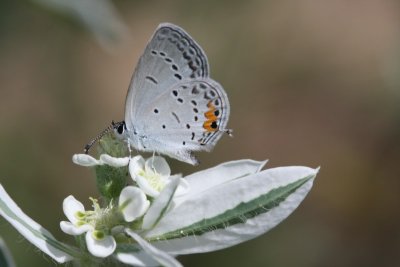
(114, 125)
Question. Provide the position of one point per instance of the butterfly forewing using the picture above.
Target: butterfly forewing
(170, 57)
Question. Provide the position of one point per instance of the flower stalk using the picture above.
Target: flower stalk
(110, 180)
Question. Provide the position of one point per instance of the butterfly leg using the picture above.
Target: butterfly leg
(128, 141)
(152, 161)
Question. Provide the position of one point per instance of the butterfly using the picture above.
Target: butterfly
(173, 107)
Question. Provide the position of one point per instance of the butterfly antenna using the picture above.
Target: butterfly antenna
(113, 126)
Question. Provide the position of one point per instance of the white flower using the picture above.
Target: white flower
(153, 175)
(100, 223)
(98, 241)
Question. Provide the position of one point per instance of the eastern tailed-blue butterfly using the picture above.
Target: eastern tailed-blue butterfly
(173, 107)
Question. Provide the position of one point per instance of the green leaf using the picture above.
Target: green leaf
(239, 214)
(232, 212)
(33, 231)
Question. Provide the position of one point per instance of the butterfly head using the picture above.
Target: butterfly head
(120, 129)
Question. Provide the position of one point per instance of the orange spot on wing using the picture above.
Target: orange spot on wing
(210, 123)
(210, 115)
(207, 126)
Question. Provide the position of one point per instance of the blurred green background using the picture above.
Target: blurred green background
(314, 83)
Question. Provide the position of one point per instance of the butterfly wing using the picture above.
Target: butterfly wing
(172, 106)
(170, 57)
(196, 121)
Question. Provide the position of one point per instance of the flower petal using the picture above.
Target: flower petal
(71, 207)
(209, 178)
(233, 212)
(114, 162)
(85, 160)
(160, 204)
(133, 203)
(136, 165)
(160, 256)
(69, 228)
(34, 232)
(100, 247)
(157, 165)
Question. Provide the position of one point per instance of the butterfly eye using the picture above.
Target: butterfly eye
(120, 129)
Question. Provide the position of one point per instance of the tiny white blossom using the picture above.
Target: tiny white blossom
(101, 223)
(98, 242)
(153, 175)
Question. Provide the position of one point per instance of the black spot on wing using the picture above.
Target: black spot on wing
(176, 117)
(178, 76)
(151, 79)
(195, 91)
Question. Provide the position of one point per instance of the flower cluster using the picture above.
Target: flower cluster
(102, 225)
(152, 216)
